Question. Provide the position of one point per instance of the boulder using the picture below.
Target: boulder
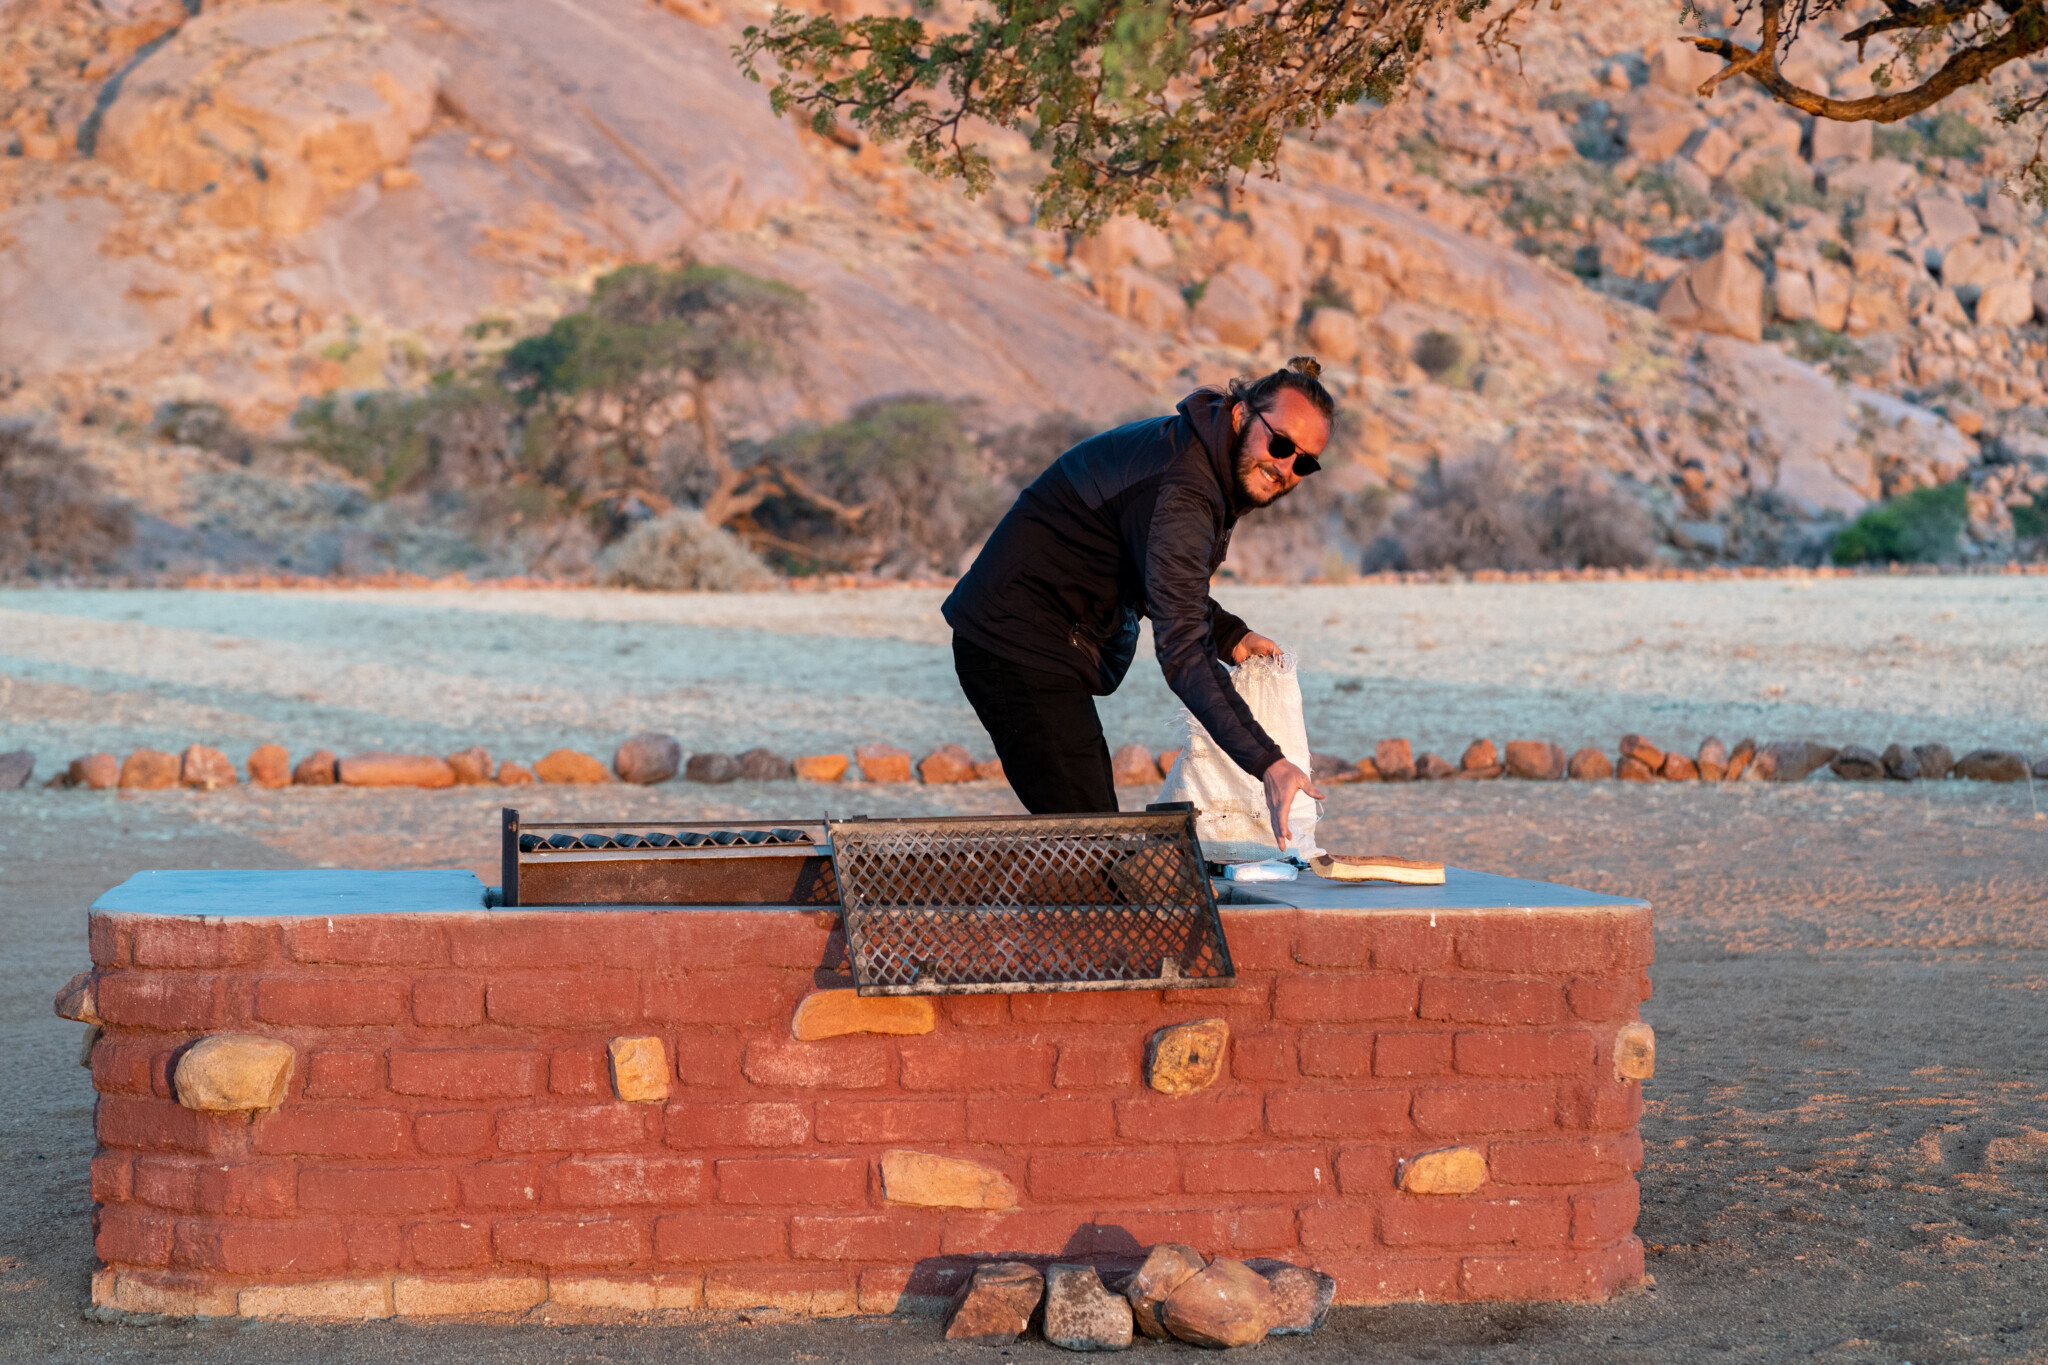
(995, 1305)
(1590, 765)
(471, 766)
(883, 763)
(1535, 760)
(765, 765)
(1431, 767)
(1480, 753)
(205, 769)
(1992, 765)
(950, 763)
(925, 1180)
(1167, 1267)
(148, 770)
(1123, 240)
(1239, 306)
(647, 758)
(1681, 68)
(570, 766)
(1713, 761)
(1301, 1297)
(233, 1072)
(1132, 766)
(1447, 1170)
(989, 770)
(1792, 760)
(639, 1068)
(95, 771)
(270, 766)
(1393, 760)
(1632, 769)
(1184, 1058)
(79, 1000)
(376, 769)
(2007, 303)
(1327, 770)
(1334, 334)
(835, 1013)
(1936, 761)
(1739, 759)
(1167, 758)
(2040, 769)
(304, 102)
(316, 769)
(1900, 763)
(1227, 1304)
(1080, 1315)
(1679, 768)
(1657, 122)
(1724, 293)
(820, 767)
(511, 774)
(713, 768)
(1644, 752)
(1834, 140)
(1857, 764)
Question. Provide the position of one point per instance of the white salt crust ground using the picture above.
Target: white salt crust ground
(1963, 661)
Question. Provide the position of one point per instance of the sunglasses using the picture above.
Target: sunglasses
(1281, 446)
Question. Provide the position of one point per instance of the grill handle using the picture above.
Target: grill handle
(508, 855)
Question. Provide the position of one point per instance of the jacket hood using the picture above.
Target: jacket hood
(1207, 411)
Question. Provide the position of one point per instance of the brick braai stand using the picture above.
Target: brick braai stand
(451, 1137)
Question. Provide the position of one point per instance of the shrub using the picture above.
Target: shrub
(451, 436)
(1473, 514)
(1919, 528)
(54, 520)
(681, 552)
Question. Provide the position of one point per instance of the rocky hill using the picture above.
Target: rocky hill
(1555, 293)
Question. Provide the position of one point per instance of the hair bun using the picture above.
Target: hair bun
(1306, 364)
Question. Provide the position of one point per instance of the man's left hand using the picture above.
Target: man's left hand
(1254, 643)
(1283, 781)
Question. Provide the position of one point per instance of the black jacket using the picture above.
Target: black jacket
(1131, 522)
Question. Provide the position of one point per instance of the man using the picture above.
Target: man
(1133, 521)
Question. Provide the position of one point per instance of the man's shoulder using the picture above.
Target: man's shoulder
(1117, 462)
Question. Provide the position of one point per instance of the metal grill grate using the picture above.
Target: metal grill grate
(977, 904)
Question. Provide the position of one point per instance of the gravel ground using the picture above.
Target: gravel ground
(1853, 660)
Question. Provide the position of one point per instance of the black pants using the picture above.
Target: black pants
(1045, 730)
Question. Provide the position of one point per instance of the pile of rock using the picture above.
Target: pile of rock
(1174, 1295)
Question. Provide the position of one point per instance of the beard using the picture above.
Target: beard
(1241, 466)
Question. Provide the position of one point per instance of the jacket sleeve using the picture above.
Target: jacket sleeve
(1177, 599)
(1225, 630)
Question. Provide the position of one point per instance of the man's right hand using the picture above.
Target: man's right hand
(1283, 781)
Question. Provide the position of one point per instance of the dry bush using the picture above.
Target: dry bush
(54, 520)
(1475, 514)
(681, 552)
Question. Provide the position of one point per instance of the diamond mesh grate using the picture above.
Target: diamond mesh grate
(966, 905)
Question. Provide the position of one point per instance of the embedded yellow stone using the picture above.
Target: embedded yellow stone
(1448, 1170)
(639, 1070)
(944, 1182)
(631, 1296)
(1635, 1053)
(1187, 1057)
(829, 1014)
(232, 1072)
(330, 1299)
(76, 1000)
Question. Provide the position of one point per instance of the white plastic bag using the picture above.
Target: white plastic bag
(1234, 825)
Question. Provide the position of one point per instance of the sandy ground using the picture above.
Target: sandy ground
(1847, 1141)
(1865, 660)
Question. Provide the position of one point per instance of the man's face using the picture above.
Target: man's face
(1261, 479)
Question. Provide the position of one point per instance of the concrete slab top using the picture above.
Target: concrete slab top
(294, 894)
(1463, 889)
(345, 891)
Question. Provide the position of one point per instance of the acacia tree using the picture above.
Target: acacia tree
(1137, 103)
(649, 330)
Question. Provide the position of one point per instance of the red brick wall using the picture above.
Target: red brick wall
(450, 1114)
